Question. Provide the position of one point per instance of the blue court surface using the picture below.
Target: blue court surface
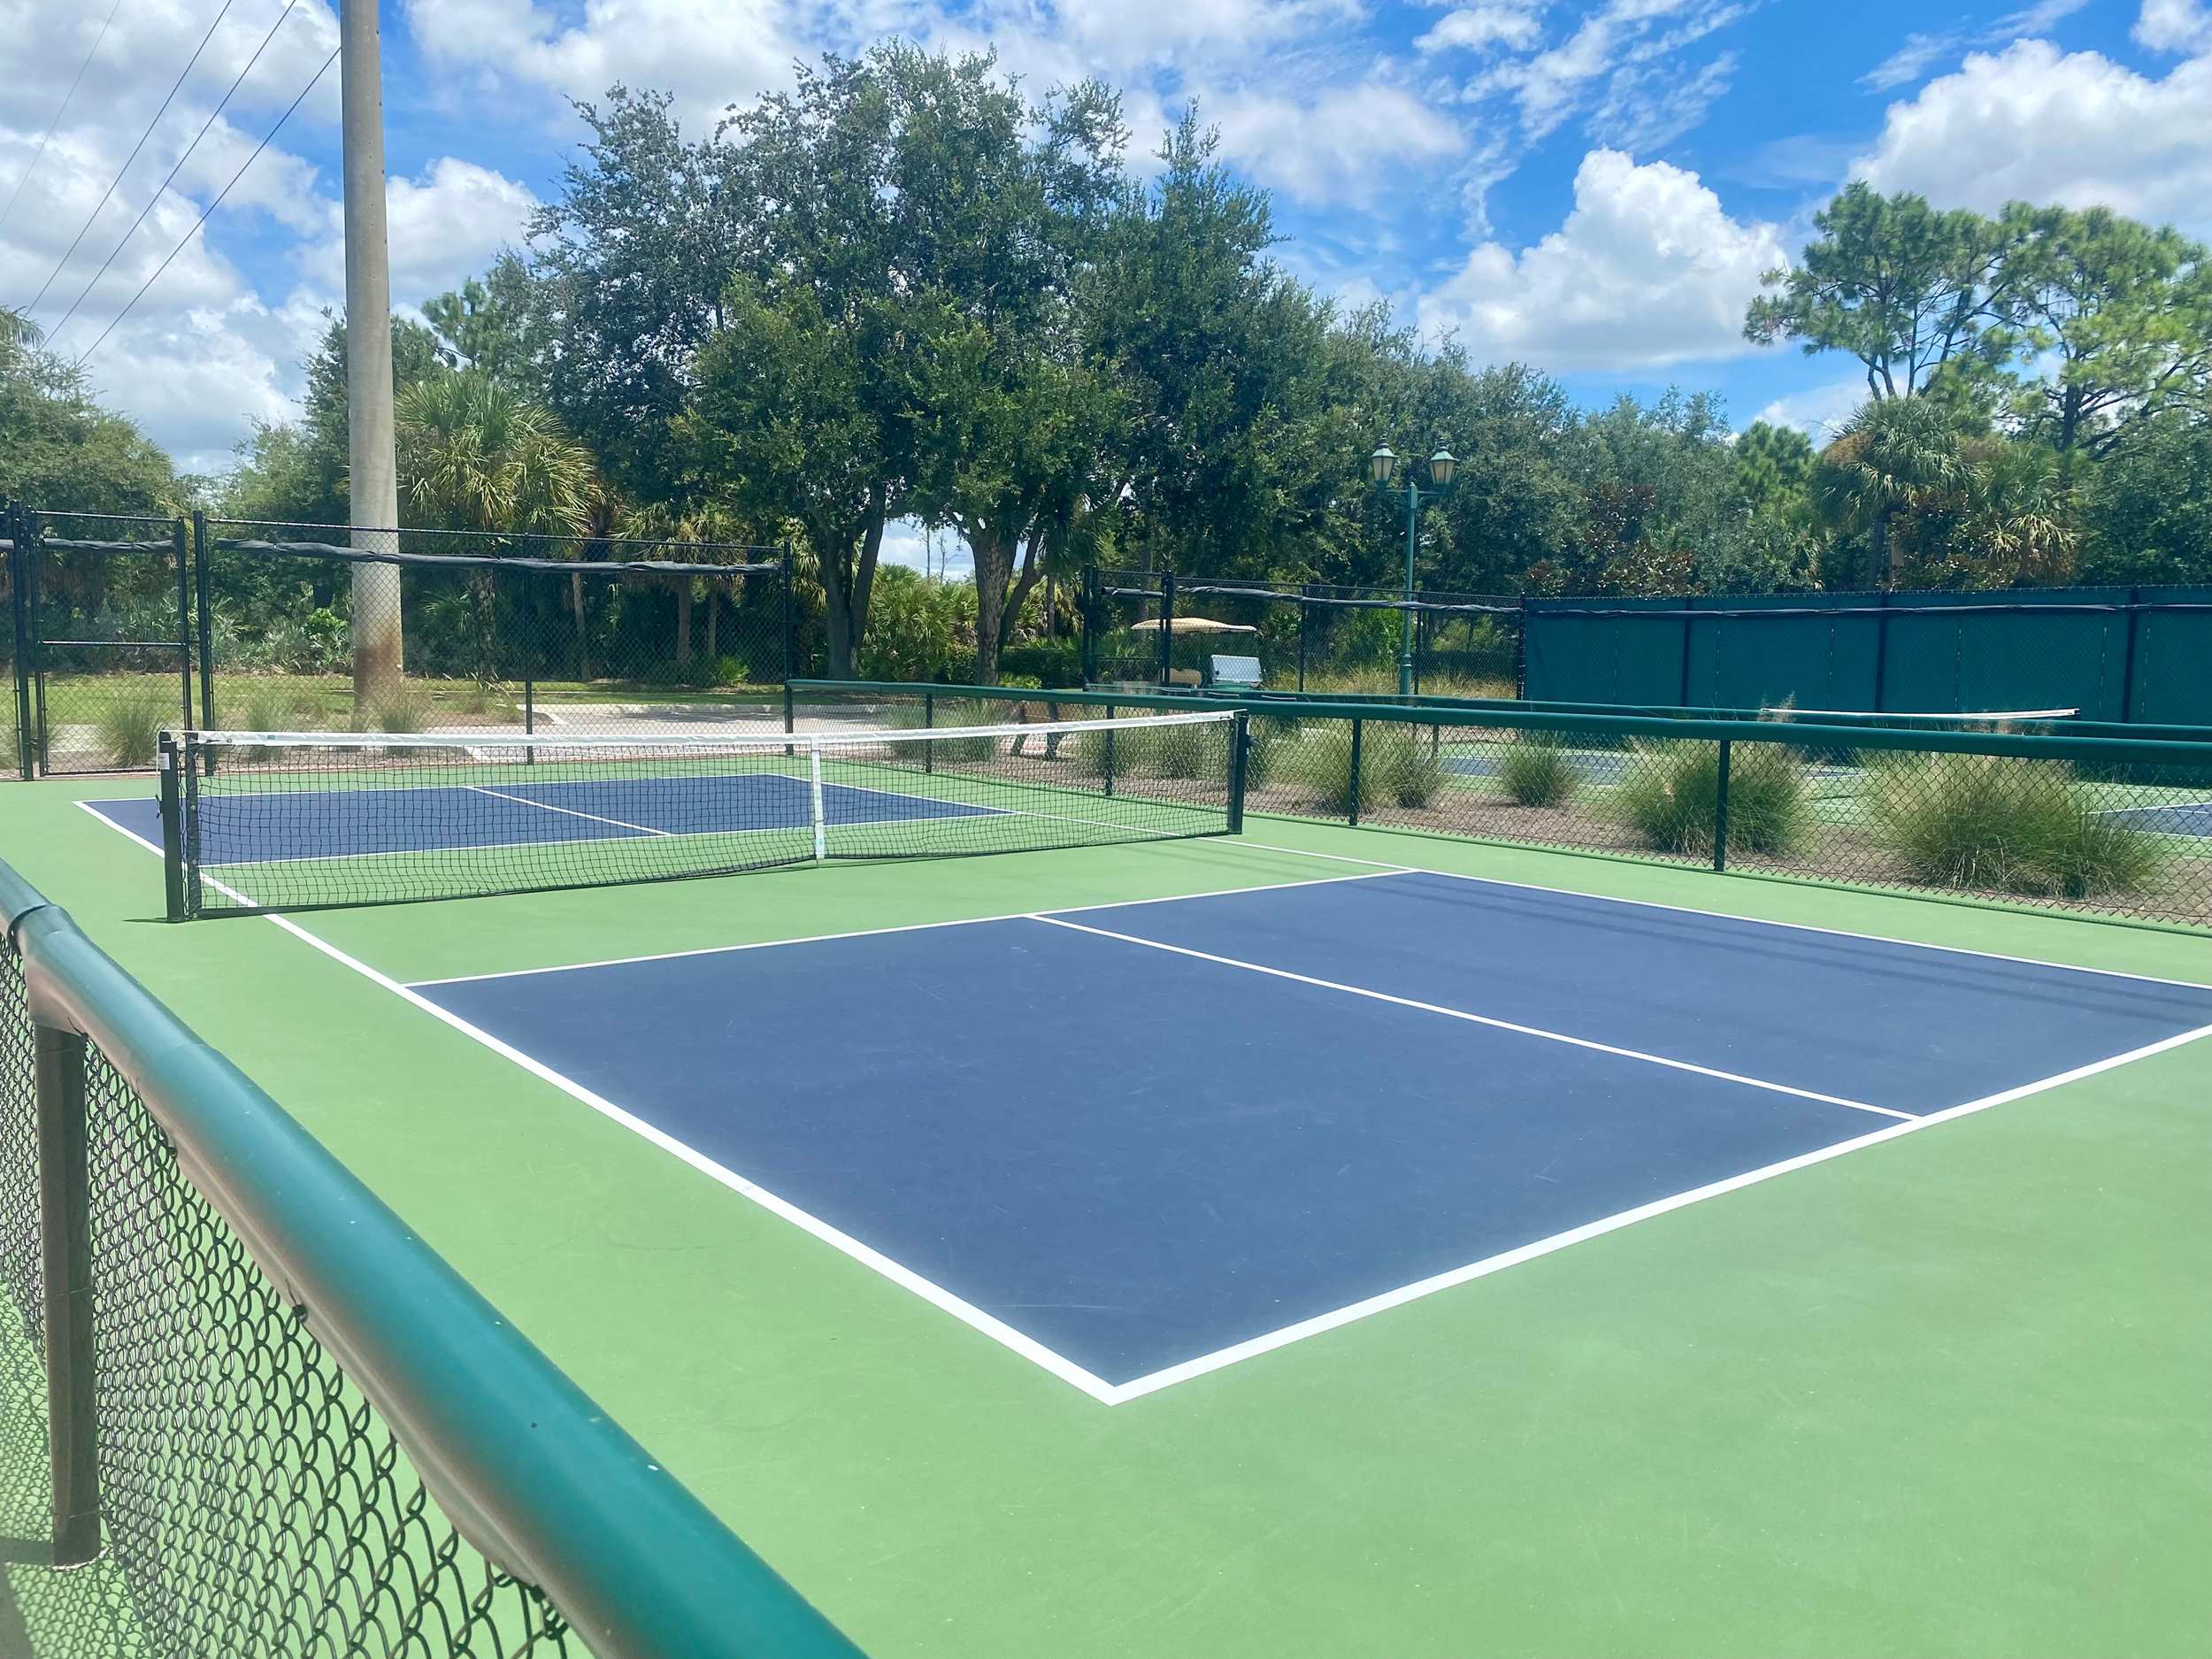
(262, 828)
(2182, 818)
(1141, 1141)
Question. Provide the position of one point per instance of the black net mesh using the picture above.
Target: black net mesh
(253, 1502)
(299, 820)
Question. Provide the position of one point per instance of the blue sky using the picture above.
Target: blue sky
(1590, 187)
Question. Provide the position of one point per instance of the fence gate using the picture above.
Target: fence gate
(103, 639)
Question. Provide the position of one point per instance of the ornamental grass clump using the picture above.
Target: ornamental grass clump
(1997, 823)
(1669, 795)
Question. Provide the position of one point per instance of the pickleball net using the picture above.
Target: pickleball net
(293, 820)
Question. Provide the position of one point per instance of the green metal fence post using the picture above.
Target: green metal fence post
(1086, 646)
(1351, 805)
(2127, 658)
(1520, 653)
(929, 719)
(1720, 811)
(64, 1207)
(19, 591)
(26, 542)
(1305, 609)
(179, 551)
(1167, 629)
(1106, 764)
(203, 589)
(1881, 649)
(790, 639)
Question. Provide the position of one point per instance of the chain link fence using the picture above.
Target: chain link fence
(225, 1368)
(1305, 636)
(2111, 825)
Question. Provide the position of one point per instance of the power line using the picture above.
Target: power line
(125, 167)
(24, 176)
(155, 198)
(211, 206)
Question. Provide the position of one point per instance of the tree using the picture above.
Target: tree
(1908, 291)
(498, 323)
(2123, 312)
(61, 450)
(1898, 457)
(473, 456)
(2146, 509)
(631, 266)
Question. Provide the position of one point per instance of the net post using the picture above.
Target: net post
(814, 775)
(172, 821)
(1239, 746)
(1720, 811)
(203, 589)
(65, 1205)
(1351, 804)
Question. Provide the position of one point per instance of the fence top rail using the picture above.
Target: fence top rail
(83, 544)
(526, 1466)
(484, 561)
(1324, 602)
(1772, 713)
(2192, 751)
(1968, 607)
(498, 535)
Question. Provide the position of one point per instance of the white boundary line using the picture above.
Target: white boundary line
(1730, 916)
(870, 933)
(543, 806)
(1119, 1394)
(1478, 1020)
(1141, 1385)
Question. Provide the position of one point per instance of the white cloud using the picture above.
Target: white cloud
(1921, 52)
(2031, 124)
(1349, 145)
(2175, 26)
(1820, 412)
(1618, 43)
(1650, 105)
(709, 53)
(1511, 23)
(441, 228)
(1645, 272)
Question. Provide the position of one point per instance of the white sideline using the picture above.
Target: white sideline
(1120, 1394)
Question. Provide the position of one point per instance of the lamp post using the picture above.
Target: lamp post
(1383, 465)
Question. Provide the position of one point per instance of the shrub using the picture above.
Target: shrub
(1320, 766)
(1991, 821)
(1537, 769)
(957, 711)
(401, 712)
(1671, 788)
(1408, 773)
(131, 723)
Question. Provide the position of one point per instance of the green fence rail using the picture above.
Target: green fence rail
(275, 1420)
(2133, 654)
(2118, 827)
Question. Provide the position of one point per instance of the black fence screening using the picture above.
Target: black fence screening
(1305, 636)
(2100, 825)
(2141, 656)
(120, 627)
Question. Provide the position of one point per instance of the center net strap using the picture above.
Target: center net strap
(286, 820)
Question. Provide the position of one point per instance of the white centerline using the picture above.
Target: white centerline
(1478, 1019)
(543, 806)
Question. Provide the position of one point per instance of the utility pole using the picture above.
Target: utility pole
(372, 465)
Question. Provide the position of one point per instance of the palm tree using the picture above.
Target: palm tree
(475, 455)
(1898, 455)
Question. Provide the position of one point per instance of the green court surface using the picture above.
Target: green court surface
(1944, 1396)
